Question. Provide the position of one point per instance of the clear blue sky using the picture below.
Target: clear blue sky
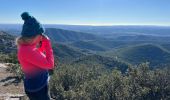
(92, 12)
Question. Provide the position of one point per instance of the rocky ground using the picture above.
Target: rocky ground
(10, 88)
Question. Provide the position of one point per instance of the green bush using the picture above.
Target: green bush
(94, 83)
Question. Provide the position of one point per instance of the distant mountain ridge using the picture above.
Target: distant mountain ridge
(66, 53)
(105, 62)
(88, 45)
(118, 29)
(154, 54)
(115, 30)
(60, 35)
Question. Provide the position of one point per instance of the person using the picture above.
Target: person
(35, 56)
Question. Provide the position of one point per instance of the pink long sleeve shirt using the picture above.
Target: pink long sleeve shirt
(35, 63)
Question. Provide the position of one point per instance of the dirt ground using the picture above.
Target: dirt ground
(9, 83)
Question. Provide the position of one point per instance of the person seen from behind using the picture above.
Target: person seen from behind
(36, 58)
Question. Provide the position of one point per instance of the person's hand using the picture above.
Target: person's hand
(51, 71)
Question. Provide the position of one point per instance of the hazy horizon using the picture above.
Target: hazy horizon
(90, 24)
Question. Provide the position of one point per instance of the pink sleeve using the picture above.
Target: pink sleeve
(39, 59)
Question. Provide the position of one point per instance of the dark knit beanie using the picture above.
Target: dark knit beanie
(31, 26)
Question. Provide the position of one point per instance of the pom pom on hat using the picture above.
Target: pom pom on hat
(25, 16)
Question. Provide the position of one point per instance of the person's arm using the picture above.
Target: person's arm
(39, 59)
